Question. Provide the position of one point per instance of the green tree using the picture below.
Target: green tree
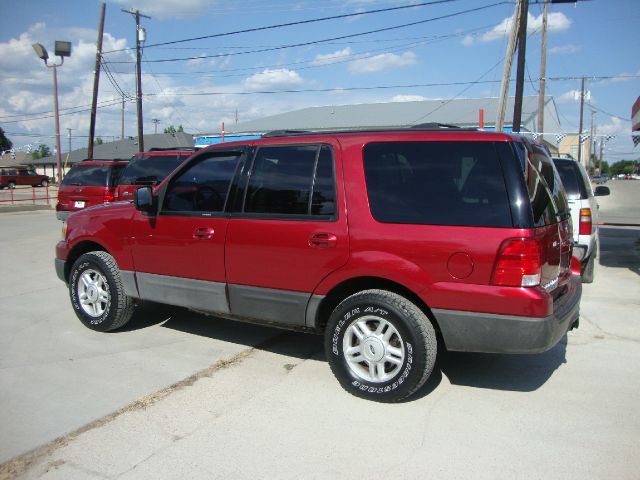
(5, 143)
(624, 167)
(98, 141)
(41, 152)
(172, 129)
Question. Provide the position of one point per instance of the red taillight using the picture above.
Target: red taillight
(518, 263)
(585, 222)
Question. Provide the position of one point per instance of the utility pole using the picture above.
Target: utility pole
(69, 130)
(591, 146)
(139, 33)
(155, 121)
(601, 153)
(522, 45)
(96, 83)
(122, 120)
(581, 124)
(543, 69)
(506, 71)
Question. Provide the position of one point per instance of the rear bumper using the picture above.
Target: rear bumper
(490, 333)
(63, 214)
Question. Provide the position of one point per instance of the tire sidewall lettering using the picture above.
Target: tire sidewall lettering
(346, 319)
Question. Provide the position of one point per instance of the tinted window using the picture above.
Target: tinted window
(116, 174)
(203, 186)
(150, 169)
(87, 176)
(571, 178)
(440, 183)
(548, 200)
(282, 181)
(324, 194)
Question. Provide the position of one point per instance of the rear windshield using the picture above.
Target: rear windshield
(436, 183)
(87, 176)
(150, 169)
(571, 178)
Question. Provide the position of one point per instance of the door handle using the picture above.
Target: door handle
(204, 233)
(126, 194)
(323, 240)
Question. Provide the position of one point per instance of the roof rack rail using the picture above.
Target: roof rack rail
(284, 133)
(166, 149)
(434, 126)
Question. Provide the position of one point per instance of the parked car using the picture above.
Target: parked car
(10, 177)
(584, 212)
(88, 183)
(149, 168)
(382, 241)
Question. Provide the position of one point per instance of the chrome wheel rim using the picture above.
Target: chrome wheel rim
(373, 349)
(93, 293)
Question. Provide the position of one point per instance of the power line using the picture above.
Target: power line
(116, 102)
(290, 24)
(316, 42)
(607, 113)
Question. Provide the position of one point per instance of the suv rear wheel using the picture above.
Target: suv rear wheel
(11, 185)
(380, 346)
(97, 294)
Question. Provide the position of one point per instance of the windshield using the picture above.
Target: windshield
(150, 169)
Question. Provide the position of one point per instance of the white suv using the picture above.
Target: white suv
(584, 212)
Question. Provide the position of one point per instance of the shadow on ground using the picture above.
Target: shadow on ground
(522, 373)
(620, 248)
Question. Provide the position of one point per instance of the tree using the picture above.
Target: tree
(5, 143)
(172, 129)
(624, 167)
(98, 141)
(41, 152)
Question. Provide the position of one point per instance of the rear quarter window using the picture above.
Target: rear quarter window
(571, 178)
(546, 192)
(436, 183)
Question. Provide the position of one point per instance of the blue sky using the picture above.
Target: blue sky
(598, 38)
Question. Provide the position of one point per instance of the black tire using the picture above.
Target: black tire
(11, 185)
(45, 183)
(412, 346)
(99, 302)
(589, 268)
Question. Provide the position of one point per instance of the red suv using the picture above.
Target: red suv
(88, 183)
(378, 240)
(149, 168)
(12, 176)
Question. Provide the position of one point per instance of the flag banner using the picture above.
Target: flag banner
(636, 140)
(583, 137)
(560, 136)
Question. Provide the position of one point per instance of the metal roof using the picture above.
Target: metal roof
(123, 148)
(461, 112)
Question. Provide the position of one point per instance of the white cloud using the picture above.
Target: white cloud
(408, 98)
(169, 8)
(616, 127)
(574, 96)
(564, 49)
(280, 78)
(556, 22)
(382, 62)
(328, 58)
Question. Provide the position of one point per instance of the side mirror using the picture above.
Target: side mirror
(601, 191)
(143, 199)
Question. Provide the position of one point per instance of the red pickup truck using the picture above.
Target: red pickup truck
(12, 176)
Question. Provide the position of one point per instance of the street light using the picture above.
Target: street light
(62, 49)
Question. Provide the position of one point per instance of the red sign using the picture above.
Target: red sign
(635, 116)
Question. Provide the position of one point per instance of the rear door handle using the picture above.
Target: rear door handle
(323, 240)
(204, 233)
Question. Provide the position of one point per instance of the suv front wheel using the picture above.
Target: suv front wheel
(97, 294)
(380, 346)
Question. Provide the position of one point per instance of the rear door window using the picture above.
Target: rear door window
(292, 180)
(87, 176)
(436, 183)
(150, 169)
